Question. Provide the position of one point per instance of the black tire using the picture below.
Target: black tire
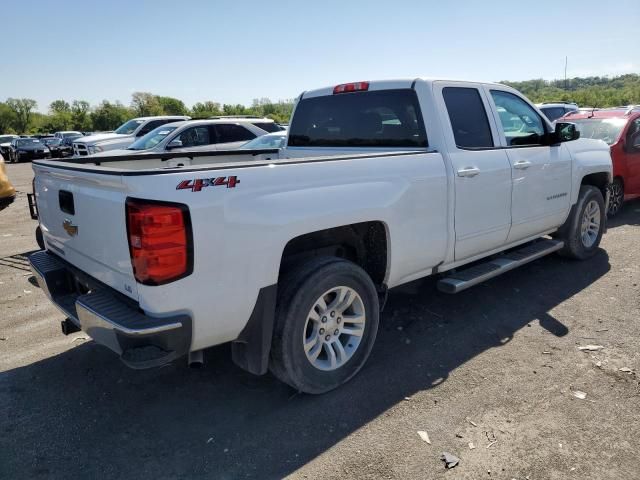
(39, 238)
(298, 291)
(616, 197)
(571, 231)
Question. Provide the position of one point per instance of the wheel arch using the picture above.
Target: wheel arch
(364, 243)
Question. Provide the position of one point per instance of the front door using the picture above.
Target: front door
(482, 173)
(541, 173)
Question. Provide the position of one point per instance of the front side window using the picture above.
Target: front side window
(230, 132)
(521, 124)
(382, 118)
(468, 117)
(195, 137)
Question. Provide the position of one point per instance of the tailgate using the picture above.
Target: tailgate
(82, 215)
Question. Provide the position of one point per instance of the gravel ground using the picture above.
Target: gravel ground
(497, 366)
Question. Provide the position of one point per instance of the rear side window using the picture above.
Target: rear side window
(468, 117)
(384, 118)
(232, 133)
(553, 113)
(267, 126)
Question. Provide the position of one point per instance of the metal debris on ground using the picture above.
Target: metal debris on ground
(579, 394)
(210, 440)
(458, 435)
(449, 459)
(626, 370)
(424, 436)
(472, 422)
(492, 443)
(591, 348)
(471, 446)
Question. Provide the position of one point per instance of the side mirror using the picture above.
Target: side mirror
(174, 144)
(565, 132)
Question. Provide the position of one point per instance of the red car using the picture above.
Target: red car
(620, 128)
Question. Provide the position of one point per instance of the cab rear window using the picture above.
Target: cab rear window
(383, 118)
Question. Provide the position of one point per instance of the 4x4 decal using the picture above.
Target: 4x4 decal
(199, 183)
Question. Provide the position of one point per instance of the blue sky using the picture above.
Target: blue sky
(234, 51)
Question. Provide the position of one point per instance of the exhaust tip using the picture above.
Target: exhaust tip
(196, 359)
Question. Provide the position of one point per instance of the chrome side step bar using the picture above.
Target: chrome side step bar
(463, 279)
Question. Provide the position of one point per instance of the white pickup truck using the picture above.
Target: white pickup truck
(123, 136)
(290, 259)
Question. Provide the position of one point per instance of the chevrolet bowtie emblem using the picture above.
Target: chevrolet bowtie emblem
(70, 228)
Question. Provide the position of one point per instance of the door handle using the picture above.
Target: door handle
(468, 172)
(522, 165)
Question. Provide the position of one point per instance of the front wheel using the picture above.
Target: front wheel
(326, 323)
(616, 197)
(583, 229)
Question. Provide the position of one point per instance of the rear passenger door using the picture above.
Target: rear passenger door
(541, 172)
(482, 173)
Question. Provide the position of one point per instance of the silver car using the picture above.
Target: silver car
(193, 135)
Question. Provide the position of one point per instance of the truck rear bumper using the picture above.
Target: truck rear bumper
(110, 319)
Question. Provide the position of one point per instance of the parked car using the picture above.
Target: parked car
(555, 110)
(270, 140)
(5, 145)
(266, 124)
(620, 129)
(23, 149)
(67, 134)
(7, 192)
(54, 146)
(192, 135)
(123, 136)
(380, 183)
(66, 146)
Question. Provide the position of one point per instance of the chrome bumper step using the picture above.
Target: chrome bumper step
(463, 279)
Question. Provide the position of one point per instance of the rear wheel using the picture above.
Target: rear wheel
(583, 229)
(326, 323)
(616, 197)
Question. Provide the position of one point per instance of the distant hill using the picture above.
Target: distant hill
(587, 91)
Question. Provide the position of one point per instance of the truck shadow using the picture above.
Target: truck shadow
(83, 414)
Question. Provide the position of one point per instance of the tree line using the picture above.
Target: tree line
(587, 91)
(19, 115)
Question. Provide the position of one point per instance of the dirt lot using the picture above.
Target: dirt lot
(496, 366)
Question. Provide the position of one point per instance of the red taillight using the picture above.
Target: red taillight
(351, 87)
(160, 241)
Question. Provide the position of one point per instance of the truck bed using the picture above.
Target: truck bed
(173, 162)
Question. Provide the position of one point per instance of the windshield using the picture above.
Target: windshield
(52, 141)
(607, 129)
(266, 141)
(6, 139)
(151, 139)
(71, 135)
(27, 141)
(129, 127)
